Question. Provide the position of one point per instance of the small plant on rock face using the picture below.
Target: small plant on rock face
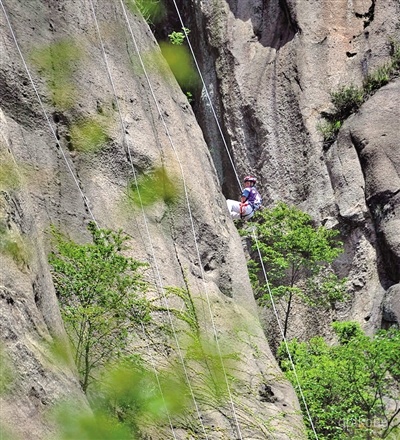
(378, 79)
(348, 99)
(57, 62)
(87, 135)
(178, 38)
(329, 130)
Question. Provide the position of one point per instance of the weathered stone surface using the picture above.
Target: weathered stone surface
(391, 307)
(373, 134)
(68, 188)
(275, 64)
(269, 68)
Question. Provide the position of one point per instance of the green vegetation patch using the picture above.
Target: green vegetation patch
(180, 62)
(298, 257)
(9, 177)
(88, 135)
(154, 187)
(153, 11)
(57, 63)
(351, 388)
(178, 37)
(348, 99)
(13, 245)
(6, 372)
(101, 294)
(78, 424)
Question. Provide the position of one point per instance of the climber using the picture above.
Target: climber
(250, 201)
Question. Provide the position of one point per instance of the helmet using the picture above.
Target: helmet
(251, 179)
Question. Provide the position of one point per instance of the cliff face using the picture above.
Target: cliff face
(70, 65)
(269, 67)
(274, 65)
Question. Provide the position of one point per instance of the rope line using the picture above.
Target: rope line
(84, 198)
(134, 172)
(158, 274)
(236, 174)
(283, 336)
(190, 216)
(207, 94)
(262, 263)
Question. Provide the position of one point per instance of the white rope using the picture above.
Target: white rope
(284, 337)
(190, 216)
(85, 199)
(208, 95)
(150, 241)
(236, 174)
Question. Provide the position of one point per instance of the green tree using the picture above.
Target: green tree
(99, 290)
(352, 388)
(298, 257)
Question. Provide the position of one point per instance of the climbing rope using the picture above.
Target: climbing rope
(84, 198)
(207, 94)
(283, 336)
(254, 237)
(150, 241)
(190, 216)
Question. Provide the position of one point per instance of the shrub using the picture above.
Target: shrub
(348, 99)
(99, 290)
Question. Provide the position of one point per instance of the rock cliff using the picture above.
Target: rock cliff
(274, 65)
(269, 67)
(66, 66)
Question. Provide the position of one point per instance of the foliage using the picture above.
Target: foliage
(189, 96)
(57, 62)
(349, 387)
(180, 63)
(9, 178)
(85, 425)
(329, 130)
(13, 245)
(153, 187)
(137, 396)
(348, 99)
(211, 362)
(133, 396)
(153, 11)
(297, 257)
(98, 288)
(126, 403)
(87, 135)
(178, 37)
(7, 378)
(6, 372)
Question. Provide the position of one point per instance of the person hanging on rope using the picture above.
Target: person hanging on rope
(250, 201)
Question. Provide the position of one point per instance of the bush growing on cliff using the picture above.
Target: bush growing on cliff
(297, 257)
(99, 290)
(153, 11)
(352, 388)
(348, 99)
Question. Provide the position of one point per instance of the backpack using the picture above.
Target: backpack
(255, 199)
